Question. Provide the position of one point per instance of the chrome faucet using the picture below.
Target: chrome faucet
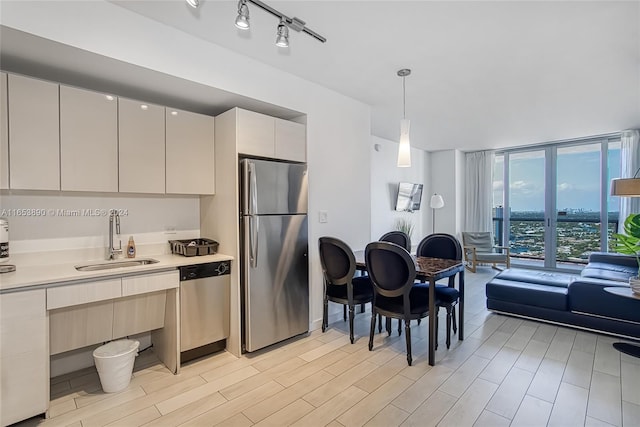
(112, 251)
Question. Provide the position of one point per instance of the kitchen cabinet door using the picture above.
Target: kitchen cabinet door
(80, 326)
(190, 153)
(4, 133)
(24, 356)
(138, 313)
(34, 134)
(256, 134)
(88, 140)
(291, 141)
(141, 147)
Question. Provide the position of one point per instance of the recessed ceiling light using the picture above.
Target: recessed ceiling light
(144, 107)
(174, 113)
(193, 3)
(109, 97)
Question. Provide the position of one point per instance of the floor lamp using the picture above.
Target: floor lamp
(437, 202)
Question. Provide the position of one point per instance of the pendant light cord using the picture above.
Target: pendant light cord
(404, 99)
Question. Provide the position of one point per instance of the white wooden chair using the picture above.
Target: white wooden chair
(478, 248)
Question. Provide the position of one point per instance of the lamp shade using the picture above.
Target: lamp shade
(404, 148)
(625, 187)
(437, 201)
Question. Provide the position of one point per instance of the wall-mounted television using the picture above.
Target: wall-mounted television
(409, 197)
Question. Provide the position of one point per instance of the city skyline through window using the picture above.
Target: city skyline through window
(554, 215)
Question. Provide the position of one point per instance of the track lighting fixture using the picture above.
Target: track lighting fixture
(193, 3)
(242, 20)
(282, 39)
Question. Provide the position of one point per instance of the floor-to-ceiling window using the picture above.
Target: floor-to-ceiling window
(552, 204)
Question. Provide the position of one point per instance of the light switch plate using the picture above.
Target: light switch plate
(323, 217)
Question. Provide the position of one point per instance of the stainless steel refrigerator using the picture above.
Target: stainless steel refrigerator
(274, 247)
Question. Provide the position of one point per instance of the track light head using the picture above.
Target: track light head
(193, 3)
(242, 20)
(282, 39)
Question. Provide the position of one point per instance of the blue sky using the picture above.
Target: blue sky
(578, 177)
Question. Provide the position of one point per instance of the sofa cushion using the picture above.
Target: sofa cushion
(560, 280)
(522, 292)
(587, 295)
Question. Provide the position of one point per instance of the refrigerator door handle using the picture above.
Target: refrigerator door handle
(254, 225)
(253, 187)
(254, 222)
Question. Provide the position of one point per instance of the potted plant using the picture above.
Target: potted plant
(404, 225)
(628, 243)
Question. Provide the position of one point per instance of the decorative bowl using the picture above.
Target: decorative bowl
(634, 284)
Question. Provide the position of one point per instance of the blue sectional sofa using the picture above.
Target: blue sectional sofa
(572, 300)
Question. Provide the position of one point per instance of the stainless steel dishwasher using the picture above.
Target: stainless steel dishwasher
(204, 308)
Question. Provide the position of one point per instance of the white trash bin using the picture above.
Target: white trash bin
(114, 362)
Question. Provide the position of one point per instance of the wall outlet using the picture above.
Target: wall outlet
(323, 217)
(169, 229)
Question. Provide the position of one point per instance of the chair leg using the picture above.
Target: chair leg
(325, 315)
(344, 313)
(400, 327)
(407, 334)
(362, 308)
(387, 325)
(351, 316)
(373, 328)
(453, 318)
(436, 340)
(449, 327)
(379, 321)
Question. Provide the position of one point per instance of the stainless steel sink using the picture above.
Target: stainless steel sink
(116, 264)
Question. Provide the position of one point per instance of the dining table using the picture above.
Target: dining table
(431, 270)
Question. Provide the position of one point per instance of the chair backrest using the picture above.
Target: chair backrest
(337, 260)
(400, 238)
(481, 240)
(391, 269)
(440, 245)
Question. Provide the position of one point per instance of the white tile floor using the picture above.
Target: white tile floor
(508, 371)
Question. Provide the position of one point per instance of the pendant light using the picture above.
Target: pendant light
(404, 148)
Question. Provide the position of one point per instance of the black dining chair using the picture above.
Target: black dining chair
(340, 285)
(398, 237)
(393, 272)
(446, 246)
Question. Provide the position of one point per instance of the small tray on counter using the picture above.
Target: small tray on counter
(194, 247)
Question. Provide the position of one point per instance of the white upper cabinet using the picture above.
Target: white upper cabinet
(141, 147)
(256, 134)
(265, 136)
(4, 133)
(34, 143)
(88, 140)
(291, 141)
(190, 155)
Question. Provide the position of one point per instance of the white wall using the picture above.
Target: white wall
(338, 127)
(385, 176)
(61, 215)
(447, 180)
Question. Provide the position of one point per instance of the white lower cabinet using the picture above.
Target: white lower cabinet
(93, 312)
(24, 356)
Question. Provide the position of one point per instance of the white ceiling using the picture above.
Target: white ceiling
(485, 74)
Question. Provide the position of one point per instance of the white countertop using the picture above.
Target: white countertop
(34, 275)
